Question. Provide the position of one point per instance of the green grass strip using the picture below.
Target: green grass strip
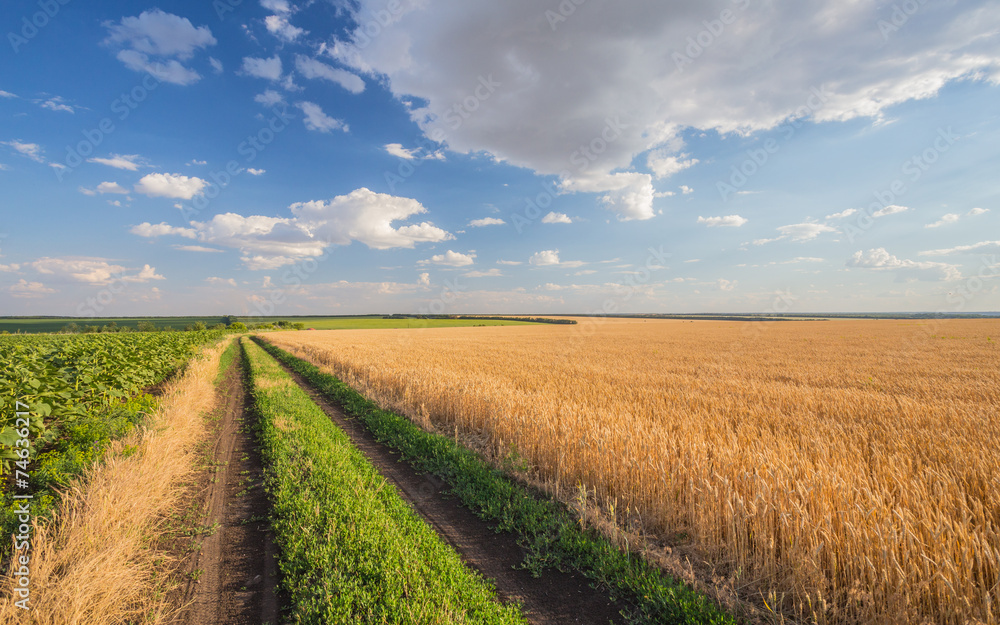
(548, 530)
(350, 549)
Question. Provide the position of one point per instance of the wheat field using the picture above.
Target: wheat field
(846, 470)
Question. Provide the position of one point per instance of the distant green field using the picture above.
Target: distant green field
(370, 323)
(34, 325)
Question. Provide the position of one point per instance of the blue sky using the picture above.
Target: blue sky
(407, 156)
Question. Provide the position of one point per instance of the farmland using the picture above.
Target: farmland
(837, 471)
(35, 325)
(79, 393)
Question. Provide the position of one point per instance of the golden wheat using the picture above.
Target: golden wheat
(850, 467)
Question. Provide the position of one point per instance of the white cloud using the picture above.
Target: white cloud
(131, 162)
(316, 119)
(545, 258)
(277, 6)
(151, 231)
(892, 209)
(312, 68)
(214, 281)
(512, 263)
(170, 185)
(6, 94)
(450, 259)
(486, 221)
(197, 248)
(156, 42)
(10, 268)
(29, 290)
(269, 69)
(550, 258)
(424, 279)
(195, 161)
(950, 218)
(798, 232)
(58, 103)
(216, 64)
(686, 190)
(87, 191)
(256, 172)
(726, 285)
(761, 73)
(664, 165)
(841, 215)
(31, 150)
(556, 218)
(960, 249)
(270, 97)
(279, 26)
(879, 259)
(729, 221)
(397, 150)
(97, 271)
(111, 187)
(492, 273)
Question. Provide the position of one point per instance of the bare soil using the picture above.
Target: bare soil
(232, 579)
(555, 597)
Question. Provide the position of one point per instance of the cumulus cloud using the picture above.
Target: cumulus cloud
(111, 187)
(550, 258)
(397, 150)
(29, 290)
(486, 221)
(951, 218)
(31, 150)
(843, 214)
(151, 231)
(270, 242)
(170, 185)
(556, 218)
(131, 162)
(538, 104)
(313, 69)
(279, 26)
(256, 172)
(492, 273)
(156, 42)
(892, 209)
(316, 119)
(270, 97)
(269, 69)
(89, 270)
(450, 259)
(879, 259)
(729, 221)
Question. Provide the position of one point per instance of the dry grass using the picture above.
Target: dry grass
(92, 563)
(847, 471)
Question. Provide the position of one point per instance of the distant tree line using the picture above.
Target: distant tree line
(229, 322)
